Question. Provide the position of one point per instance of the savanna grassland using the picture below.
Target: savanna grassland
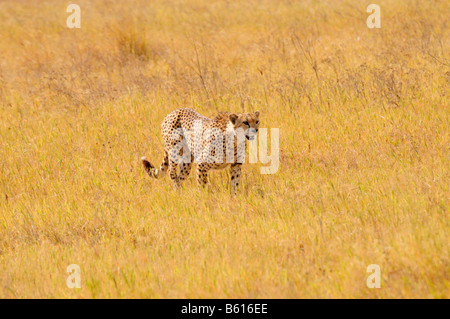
(363, 116)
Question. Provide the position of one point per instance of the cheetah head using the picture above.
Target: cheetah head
(249, 122)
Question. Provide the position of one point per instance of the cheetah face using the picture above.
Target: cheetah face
(248, 122)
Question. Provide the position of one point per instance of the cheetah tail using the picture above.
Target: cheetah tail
(152, 171)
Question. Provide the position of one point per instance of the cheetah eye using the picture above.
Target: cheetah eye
(246, 123)
(257, 122)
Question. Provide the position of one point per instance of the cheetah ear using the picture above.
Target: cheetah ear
(233, 118)
(257, 113)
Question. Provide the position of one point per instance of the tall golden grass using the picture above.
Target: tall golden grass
(364, 137)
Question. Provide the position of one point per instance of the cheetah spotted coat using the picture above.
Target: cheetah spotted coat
(180, 149)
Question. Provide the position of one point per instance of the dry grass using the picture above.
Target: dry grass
(364, 137)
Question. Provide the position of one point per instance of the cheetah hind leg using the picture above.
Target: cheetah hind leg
(155, 172)
(185, 169)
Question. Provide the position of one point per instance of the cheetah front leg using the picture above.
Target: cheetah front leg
(235, 174)
(202, 174)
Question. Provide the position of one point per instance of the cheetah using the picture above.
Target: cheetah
(211, 143)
